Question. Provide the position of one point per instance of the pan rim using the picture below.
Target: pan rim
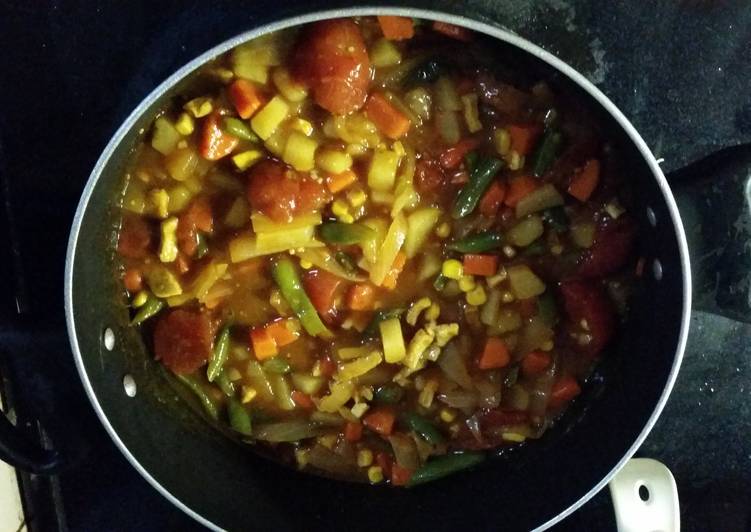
(496, 32)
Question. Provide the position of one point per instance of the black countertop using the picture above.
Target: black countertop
(72, 71)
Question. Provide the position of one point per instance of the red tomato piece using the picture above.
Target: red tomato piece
(332, 60)
(614, 241)
(182, 340)
(134, 240)
(133, 280)
(429, 176)
(563, 391)
(400, 475)
(500, 418)
(215, 143)
(591, 319)
(322, 287)
(197, 217)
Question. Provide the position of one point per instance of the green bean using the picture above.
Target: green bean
(205, 399)
(445, 465)
(289, 283)
(546, 152)
(427, 430)
(149, 309)
(276, 365)
(346, 261)
(556, 218)
(477, 243)
(239, 417)
(346, 234)
(219, 354)
(470, 161)
(226, 385)
(389, 394)
(239, 129)
(381, 315)
(479, 181)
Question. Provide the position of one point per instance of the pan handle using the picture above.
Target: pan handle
(714, 198)
(20, 452)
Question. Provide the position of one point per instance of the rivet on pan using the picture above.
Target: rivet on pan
(657, 269)
(109, 339)
(651, 217)
(129, 385)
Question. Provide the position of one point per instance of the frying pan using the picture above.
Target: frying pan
(224, 486)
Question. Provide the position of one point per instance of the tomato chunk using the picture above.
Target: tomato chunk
(197, 217)
(322, 287)
(429, 176)
(332, 60)
(182, 340)
(613, 243)
(215, 143)
(591, 319)
(281, 193)
(135, 238)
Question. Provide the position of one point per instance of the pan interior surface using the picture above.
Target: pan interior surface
(224, 485)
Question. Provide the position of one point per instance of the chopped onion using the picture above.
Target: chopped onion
(326, 460)
(461, 399)
(404, 451)
(473, 424)
(489, 394)
(454, 367)
(287, 431)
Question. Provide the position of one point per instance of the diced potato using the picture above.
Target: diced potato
(165, 137)
(340, 393)
(543, 198)
(181, 163)
(265, 50)
(419, 225)
(162, 282)
(289, 88)
(334, 161)
(508, 320)
(384, 53)
(203, 282)
(524, 283)
(179, 198)
(246, 159)
(135, 197)
(264, 224)
(471, 112)
(307, 383)
(277, 141)
(419, 102)
(583, 234)
(360, 366)
(502, 141)
(300, 152)
(446, 95)
(199, 107)
(302, 126)
(526, 231)
(448, 126)
(168, 244)
(282, 391)
(267, 120)
(238, 214)
(382, 171)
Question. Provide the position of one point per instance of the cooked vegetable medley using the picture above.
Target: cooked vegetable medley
(370, 247)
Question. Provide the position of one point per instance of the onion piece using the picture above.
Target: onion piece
(405, 451)
(287, 431)
(322, 458)
(454, 367)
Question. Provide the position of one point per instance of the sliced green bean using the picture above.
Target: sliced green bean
(209, 405)
(477, 243)
(547, 309)
(345, 234)
(149, 309)
(239, 417)
(276, 365)
(238, 128)
(440, 282)
(346, 261)
(289, 283)
(388, 394)
(226, 385)
(479, 181)
(219, 354)
(470, 160)
(546, 152)
(445, 465)
(427, 430)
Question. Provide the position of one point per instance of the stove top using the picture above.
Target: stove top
(72, 71)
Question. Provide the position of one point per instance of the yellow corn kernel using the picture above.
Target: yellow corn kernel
(301, 125)
(443, 230)
(502, 141)
(199, 107)
(357, 198)
(168, 246)
(452, 269)
(507, 297)
(140, 299)
(267, 120)
(375, 474)
(417, 307)
(547, 345)
(477, 297)
(291, 90)
(300, 152)
(447, 415)
(433, 312)
(513, 436)
(185, 124)
(159, 199)
(364, 457)
(398, 148)
(359, 409)
(341, 211)
(334, 161)
(467, 283)
(305, 264)
(249, 393)
(327, 440)
(246, 159)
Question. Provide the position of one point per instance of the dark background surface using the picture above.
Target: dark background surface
(70, 72)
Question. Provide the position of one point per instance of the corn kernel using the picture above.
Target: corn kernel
(305, 264)
(341, 211)
(477, 297)
(359, 409)
(513, 436)
(246, 159)
(507, 297)
(467, 283)
(447, 415)
(249, 393)
(443, 230)
(357, 198)
(334, 161)
(327, 440)
(301, 125)
(452, 269)
(364, 457)
(375, 474)
(185, 124)
(199, 107)
(140, 299)
(547, 346)
(502, 141)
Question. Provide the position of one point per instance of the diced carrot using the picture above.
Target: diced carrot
(380, 420)
(245, 97)
(492, 199)
(524, 137)
(485, 265)
(495, 354)
(321, 287)
(302, 400)
(338, 182)
(133, 280)
(281, 333)
(585, 180)
(528, 307)
(563, 390)
(385, 462)
(518, 188)
(387, 118)
(396, 28)
(352, 431)
(534, 363)
(361, 297)
(396, 268)
(453, 31)
(400, 475)
(328, 366)
(263, 343)
(215, 143)
(452, 157)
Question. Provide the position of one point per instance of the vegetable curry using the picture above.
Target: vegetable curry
(371, 248)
